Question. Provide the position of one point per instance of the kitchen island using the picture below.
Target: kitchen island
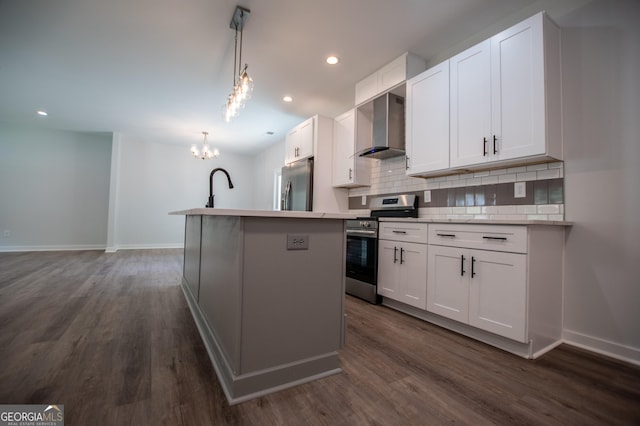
(266, 290)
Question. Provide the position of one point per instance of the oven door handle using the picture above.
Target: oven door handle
(362, 233)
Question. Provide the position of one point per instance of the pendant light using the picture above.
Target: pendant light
(242, 82)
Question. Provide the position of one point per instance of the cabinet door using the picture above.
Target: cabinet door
(427, 121)
(517, 73)
(367, 88)
(291, 144)
(305, 139)
(413, 274)
(343, 148)
(388, 264)
(497, 293)
(447, 283)
(470, 105)
(392, 74)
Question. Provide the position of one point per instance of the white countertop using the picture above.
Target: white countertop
(262, 213)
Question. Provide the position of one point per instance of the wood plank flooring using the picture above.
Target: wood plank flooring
(111, 337)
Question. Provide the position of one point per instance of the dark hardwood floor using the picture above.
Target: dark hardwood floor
(110, 337)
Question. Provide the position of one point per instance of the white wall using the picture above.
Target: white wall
(264, 164)
(155, 178)
(54, 188)
(601, 90)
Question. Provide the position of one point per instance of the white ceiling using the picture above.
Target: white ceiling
(163, 68)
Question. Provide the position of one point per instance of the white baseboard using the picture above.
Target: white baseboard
(71, 247)
(78, 247)
(603, 347)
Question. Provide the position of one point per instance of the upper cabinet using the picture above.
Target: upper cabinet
(299, 142)
(389, 76)
(427, 121)
(505, 98)
(349, 170)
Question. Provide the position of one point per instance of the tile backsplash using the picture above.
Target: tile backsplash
(474, 195)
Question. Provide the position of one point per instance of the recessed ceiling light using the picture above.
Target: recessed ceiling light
(332, 60)
(42, 113)
(270, 133)
(287, 98)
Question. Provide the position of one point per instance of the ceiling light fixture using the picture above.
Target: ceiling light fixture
(332, 60)
(242, 83)
(42, 113)
(205, 152)
(287, 98)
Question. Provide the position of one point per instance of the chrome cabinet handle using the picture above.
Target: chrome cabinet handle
(401, 254)
(462, 271)
(495, 150)
(447, 235)
(495, 238)
(399, 232)
(484, 147)
(395, 251)
(473, 262)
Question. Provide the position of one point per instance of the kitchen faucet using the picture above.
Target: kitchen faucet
(210, 203)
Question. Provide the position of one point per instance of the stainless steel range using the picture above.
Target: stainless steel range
(362, 244)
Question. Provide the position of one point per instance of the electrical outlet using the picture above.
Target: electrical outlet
(6, 233)
(519, 189)
(427, 196)
(364, 200)
(297, 242)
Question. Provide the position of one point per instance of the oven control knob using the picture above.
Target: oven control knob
(365, 224)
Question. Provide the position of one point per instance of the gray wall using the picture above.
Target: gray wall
(264, 165)
(601, 90)
(54, 188)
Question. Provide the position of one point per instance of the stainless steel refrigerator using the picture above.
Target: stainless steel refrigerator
(297, 186)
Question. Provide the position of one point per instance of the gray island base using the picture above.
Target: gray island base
(266, 291)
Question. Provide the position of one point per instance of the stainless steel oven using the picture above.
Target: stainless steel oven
(362, 244)
(362, 259)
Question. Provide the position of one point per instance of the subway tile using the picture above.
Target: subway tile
(458, 210)
(460, 197)
(507, 209)
(481, 174)
(557, 217)
(481, 216)
(556, 165)
(537, 217)
(489, 210)
(536, 167)
(488, 180)
(498, 172)
(516, 169)
(469, 196)
(511, 177)
(473, 181)
(540, 192)
(473, 210)
(446, 184)
(549, 174)
(548, 209)
(527, 209)
(525, 176)
(453, 177)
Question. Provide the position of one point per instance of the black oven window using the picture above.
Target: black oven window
(362, 258)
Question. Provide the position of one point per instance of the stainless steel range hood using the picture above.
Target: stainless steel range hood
(387, 120)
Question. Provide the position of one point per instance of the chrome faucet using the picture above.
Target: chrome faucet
(210, 203)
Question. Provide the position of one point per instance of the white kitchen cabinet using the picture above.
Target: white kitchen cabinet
(299, 141)
(505, 98)
(389, 76)
(402, 263)
(427, 121)
(349, 170)
(485, 289)
(503, 279)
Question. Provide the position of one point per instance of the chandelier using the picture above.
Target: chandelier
(204, 152)
(242, 83)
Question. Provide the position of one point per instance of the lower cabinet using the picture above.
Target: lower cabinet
(402, 264)
(485, 289)
(500, 284)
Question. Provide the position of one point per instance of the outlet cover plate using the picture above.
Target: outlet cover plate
(297, 242)
(519, 189)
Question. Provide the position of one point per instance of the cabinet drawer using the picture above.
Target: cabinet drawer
(484, 237)
(404, 231)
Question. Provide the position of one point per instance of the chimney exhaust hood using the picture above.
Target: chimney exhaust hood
(387, 127)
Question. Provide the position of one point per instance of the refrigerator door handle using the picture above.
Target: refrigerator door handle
(287, 195)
